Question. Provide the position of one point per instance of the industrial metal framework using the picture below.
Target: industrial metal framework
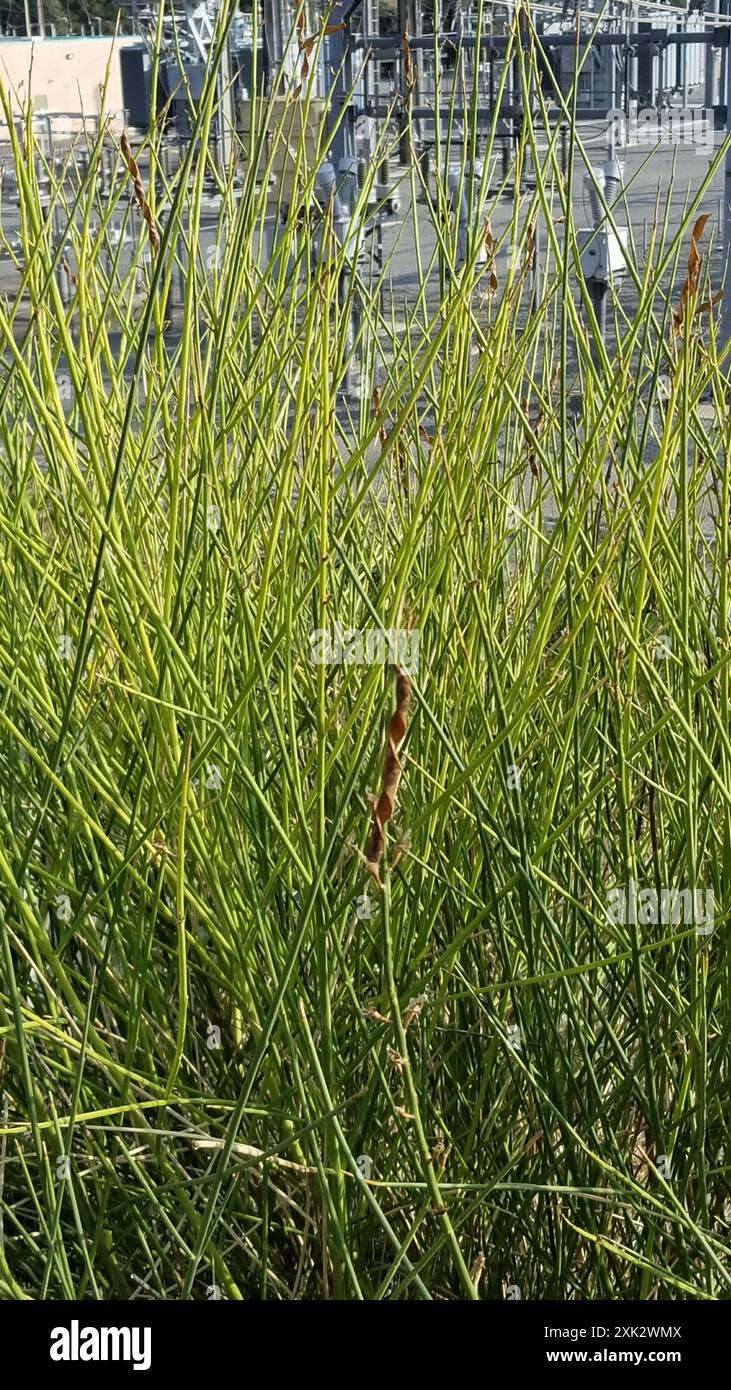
(625, 43)
(635, 52)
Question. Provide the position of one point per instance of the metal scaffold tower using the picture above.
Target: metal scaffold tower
(638, 56)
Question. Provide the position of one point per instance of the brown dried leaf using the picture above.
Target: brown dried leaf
(531, 431)
(530, 247)
(707, 304)
(440, 1153)
(69, 271)
(382, 431)
(402, 1115)
(375, 1016)
(414, 1008)
(695, 261)
(489, 242)
(306, 43)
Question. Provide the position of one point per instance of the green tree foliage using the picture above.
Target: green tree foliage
(73, 12)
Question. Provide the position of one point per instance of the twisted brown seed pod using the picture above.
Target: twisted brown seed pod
(391, 776)
(140, 195)
(409, 66)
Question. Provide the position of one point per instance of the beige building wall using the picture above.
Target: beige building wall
(65, 75)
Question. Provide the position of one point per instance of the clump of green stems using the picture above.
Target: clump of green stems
(211, 1016)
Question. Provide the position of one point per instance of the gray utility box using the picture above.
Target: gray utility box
(135, 66)
(606, 257)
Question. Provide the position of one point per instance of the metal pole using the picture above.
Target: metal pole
(710, 76)
(684, 60)
(634, 62)
(403, 25)
(611, 133)
(598, 296)
(517, 104)
(507, 147)
(340, 68)
(226, 106)
(372, 71)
